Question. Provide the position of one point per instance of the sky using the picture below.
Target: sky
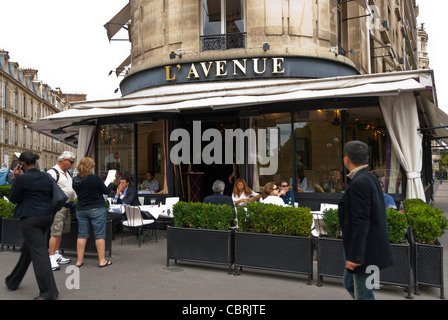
(68, 45)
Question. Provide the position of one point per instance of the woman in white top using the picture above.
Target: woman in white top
(242, 194)
(270, 195)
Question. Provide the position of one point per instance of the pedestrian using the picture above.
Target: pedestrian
(62, 218)
(32, 192)
(362, 216)
(91, 210)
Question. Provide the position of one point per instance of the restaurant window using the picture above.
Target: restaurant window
(223, 24)
(115, 149)
(151, 155)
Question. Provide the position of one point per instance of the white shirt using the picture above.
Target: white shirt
(64, 182)
(274, 200)
(236, 198)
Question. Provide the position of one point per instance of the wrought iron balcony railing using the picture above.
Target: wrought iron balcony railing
(223, 41)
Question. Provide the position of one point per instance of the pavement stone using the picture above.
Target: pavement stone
(142, 274)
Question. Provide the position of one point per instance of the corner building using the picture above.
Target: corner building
(319, 73)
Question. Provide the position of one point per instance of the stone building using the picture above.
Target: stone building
(24, 99)
(319, 73)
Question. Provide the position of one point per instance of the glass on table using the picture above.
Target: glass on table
(153, 201)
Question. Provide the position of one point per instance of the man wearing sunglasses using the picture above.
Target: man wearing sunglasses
(286, 194)
(62, 219)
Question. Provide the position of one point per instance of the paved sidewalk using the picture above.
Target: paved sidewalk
(141, 273)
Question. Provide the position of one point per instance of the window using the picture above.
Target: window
(223, 24)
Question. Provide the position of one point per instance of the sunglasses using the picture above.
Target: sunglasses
(284, 186)
(72, 162)
(276, 188)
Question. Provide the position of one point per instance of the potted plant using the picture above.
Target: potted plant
(276, 238)
(400, 272)
(427, 224)
(201, 233)
(11, 234)
(330, 249)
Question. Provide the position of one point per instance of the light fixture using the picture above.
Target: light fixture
(116, 90)
(266, 46)
(71, 138)
(59, 130)
(174, 54)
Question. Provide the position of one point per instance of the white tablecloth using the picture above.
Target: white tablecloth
(154, 210)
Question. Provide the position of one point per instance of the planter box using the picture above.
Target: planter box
(198, 245)
(330, 258)
(274, 252)
(331, 263)
(11, 233)
(428, 268)
(69, 240)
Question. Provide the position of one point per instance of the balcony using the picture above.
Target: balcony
(223, 41)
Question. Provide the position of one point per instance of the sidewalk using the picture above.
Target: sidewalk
(141, 273)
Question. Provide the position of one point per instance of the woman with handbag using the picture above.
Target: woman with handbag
(91, 210)
(32, 191)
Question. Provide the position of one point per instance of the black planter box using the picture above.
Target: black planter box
(428, 268)
(399, 273)
(274, 252)
(11, 233)
(198, 245)
(69, 240)
(330, 258)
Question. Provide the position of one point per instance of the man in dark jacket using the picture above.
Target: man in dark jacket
(126, 193)
(218, 197)
(362, 216)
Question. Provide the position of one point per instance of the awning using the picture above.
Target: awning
(123, 66)
(435, 119)
(221, 95)
(118, 21)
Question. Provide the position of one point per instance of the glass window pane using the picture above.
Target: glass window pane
(115, 148)
(234, 16)
(211, 15)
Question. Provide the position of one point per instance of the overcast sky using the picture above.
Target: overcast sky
(67, 43)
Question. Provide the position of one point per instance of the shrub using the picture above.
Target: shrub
(200, 215)
(427, 223)
(409, 203)
(7, 209)
(273, 219)
(331, 224)
(397, 225)
(5, 191)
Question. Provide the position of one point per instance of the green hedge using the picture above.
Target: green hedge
(331, 224)
(427, 223)
(200, 215)
(5, 191)
(397, 226)
(6, 209)
(273, 219)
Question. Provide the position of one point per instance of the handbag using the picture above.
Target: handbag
(59, 198)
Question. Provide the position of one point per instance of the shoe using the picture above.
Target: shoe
(108, 263)
(54, 263)
(60, 259)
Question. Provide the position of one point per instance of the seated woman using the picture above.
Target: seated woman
(242, 194)
(271, 195)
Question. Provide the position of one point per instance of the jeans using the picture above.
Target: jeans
(356, 285)
(96, 217)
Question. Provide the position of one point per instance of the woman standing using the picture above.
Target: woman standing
(32, 192)
(91, 210)
(242, 194)
(271, 195)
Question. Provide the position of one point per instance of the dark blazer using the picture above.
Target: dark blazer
(131, 197)
(32, 192)
(362, 215)
(90, 190)
(219, 198)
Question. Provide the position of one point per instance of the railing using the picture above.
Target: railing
(223, 41)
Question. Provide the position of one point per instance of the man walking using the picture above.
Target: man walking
(62, 218)
(362, 215)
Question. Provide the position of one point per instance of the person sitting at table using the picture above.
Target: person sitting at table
(242, 194)
(151, 184)
(218, 197)
(126, 193)
(389, 201)
(270, 195)
(285, 194)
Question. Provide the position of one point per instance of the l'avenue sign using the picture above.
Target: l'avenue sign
(235, 68)
(245, 68)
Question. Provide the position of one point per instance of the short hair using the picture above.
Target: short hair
(85, 166)
(126, 177)
(218, 186)
(357, 151)
(66, 155)
(28, 157)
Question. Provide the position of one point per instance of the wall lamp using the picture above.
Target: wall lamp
(71, 138)
(266, 46)
(59, 130)
(174, 54)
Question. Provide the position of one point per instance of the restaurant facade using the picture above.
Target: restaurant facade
(266, 91)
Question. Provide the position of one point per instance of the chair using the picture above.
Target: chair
(141, 200)
(169, 202)
(135, 221)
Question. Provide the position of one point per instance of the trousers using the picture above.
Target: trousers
(35, 250)
(356, 285)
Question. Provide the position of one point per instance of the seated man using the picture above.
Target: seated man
(151, 183)
(390, 202)
(126, 194)
(218, 197)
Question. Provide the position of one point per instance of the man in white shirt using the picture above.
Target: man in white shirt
(62, 218)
